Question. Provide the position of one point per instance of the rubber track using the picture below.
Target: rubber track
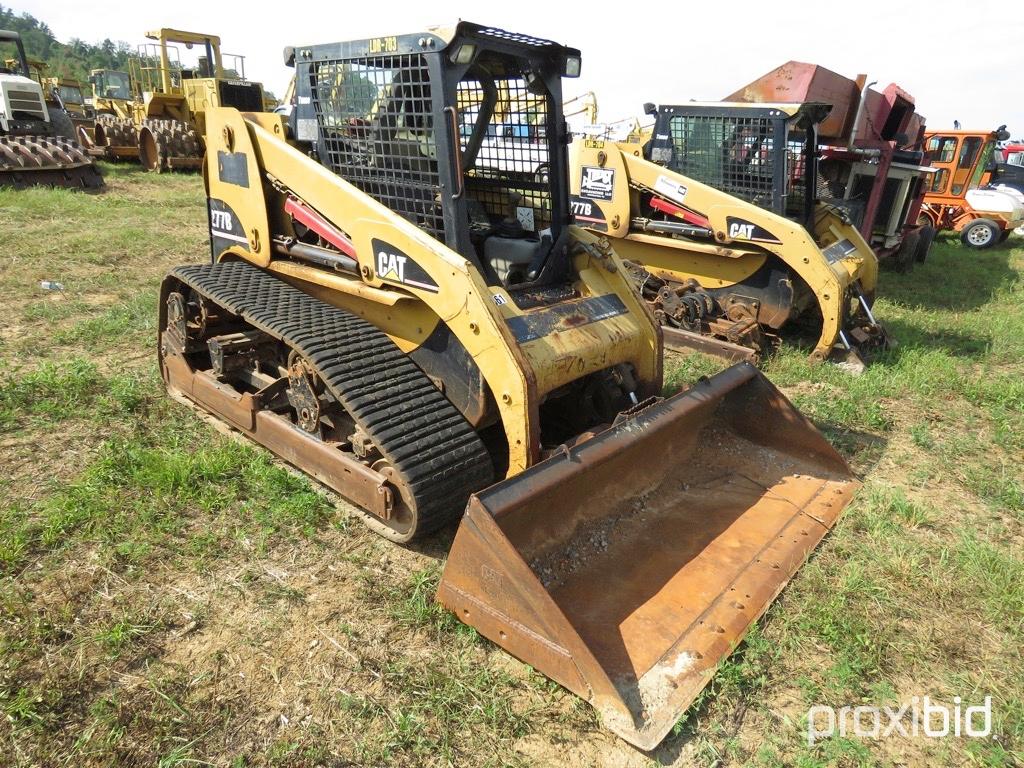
(416, 428)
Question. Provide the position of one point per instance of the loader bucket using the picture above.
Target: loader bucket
(628, 566)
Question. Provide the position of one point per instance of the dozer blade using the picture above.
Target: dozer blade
(628, 566)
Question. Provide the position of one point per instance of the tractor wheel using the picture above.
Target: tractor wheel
(926, 235)
(980, 233)
(903, 261)
(61, 123)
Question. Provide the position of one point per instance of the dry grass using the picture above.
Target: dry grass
(169, 596)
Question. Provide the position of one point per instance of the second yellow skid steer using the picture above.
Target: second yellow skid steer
(721, 273)
(398, 305)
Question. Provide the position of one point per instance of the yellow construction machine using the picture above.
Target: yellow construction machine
(37, 136)
(114, 96)
(398, 304)
(169, 98)
(724, 272)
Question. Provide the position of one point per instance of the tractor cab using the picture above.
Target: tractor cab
(23, 108)
(962, 160)
(762, 153)
(1009, 167)
(459, 130)
(111, 84)
(182, 74)
(959, 196)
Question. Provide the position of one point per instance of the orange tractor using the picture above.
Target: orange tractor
(958, 196)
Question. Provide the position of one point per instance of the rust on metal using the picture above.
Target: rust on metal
(246, 413)
(681, 339)
(627, 566)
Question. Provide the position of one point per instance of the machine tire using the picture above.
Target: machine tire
(904, 259)
(61, 123)
(926, 235)
(980, 233)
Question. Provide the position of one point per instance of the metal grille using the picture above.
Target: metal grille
(247, 97)
(504, 140)
(796, 176)
(733, 154)
(375, 121)
(28, 102)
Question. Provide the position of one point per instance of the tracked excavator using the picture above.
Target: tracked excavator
(37, 145)
(398, 305)
(723, 271)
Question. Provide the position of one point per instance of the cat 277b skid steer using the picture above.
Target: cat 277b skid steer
(398, 305)
(724, 272)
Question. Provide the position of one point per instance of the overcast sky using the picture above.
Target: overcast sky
(964, 63)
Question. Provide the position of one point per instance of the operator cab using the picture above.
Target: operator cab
(459, 131)
(12, 54)
(111, 84)
(765, 154)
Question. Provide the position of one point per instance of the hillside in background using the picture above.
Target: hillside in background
(73, 59)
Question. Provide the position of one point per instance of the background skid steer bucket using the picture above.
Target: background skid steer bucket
(627, 567)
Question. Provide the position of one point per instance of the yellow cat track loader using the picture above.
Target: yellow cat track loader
(724, 269)
(398, 305)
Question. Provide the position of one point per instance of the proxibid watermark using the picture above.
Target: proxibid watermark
(919, 716)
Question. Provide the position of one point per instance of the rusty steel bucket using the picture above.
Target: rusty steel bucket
(628, 566)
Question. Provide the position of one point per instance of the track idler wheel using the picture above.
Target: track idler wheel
(318, 414)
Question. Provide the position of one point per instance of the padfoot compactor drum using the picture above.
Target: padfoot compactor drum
(398, 304)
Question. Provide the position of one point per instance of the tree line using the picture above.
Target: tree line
(73, 59)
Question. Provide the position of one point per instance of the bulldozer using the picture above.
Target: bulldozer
(399, 305)
(68, 95)
(723, 235)
(154, 113)
(37, 145)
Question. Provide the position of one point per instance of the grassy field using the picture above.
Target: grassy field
(169, 596)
